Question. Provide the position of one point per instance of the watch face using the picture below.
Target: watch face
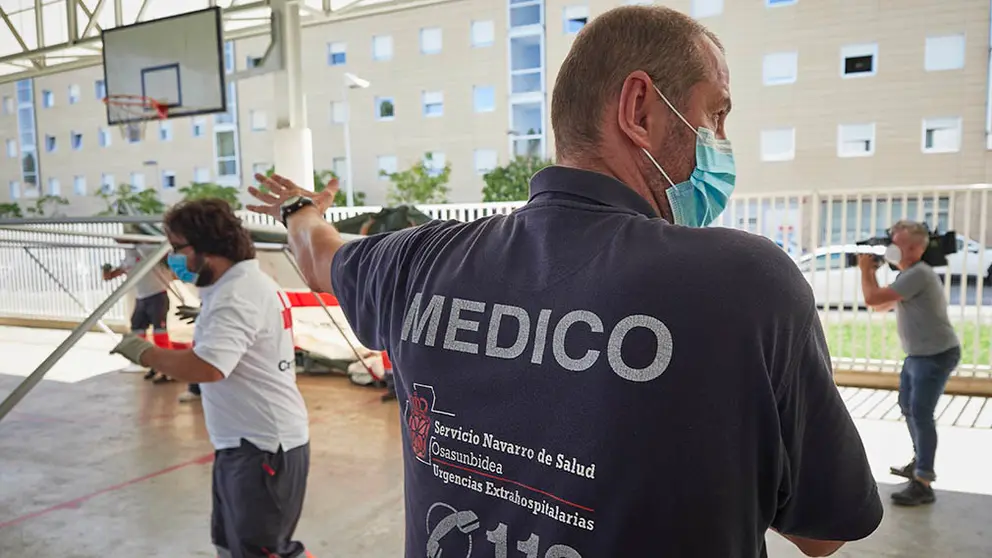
(290, 201)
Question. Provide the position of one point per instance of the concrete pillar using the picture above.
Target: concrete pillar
(293, 150)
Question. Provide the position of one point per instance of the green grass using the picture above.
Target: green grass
(879, 340)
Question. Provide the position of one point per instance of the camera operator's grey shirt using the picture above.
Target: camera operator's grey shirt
(921, 315)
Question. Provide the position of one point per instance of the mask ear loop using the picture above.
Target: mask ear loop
(671, 106)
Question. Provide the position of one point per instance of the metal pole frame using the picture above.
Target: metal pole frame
(296, 267)
(142, 269)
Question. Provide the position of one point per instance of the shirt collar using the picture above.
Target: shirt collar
(591, 185)
(235, 271)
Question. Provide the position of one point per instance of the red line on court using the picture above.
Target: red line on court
(76, 503)
(511, 481)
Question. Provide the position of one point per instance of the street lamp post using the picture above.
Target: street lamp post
(351, 81)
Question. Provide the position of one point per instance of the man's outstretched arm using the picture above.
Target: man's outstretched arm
(312, 240)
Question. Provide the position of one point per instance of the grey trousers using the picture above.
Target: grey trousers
(257, 501)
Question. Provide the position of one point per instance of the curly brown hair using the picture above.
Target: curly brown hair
(211, 227)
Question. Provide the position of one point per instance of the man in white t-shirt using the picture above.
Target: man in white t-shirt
(151, 306)
(243, 357)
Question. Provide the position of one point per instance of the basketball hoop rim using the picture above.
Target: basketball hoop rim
(161, 110)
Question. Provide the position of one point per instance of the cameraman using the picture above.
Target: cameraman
(932, 348)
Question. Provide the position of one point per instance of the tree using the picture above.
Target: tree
(127, 199)
(8, 210)
(45, 203)
(421, 183)
(202, 190)
(320, 180)
(512, 181)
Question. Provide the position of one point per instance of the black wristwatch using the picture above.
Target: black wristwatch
(292, 205)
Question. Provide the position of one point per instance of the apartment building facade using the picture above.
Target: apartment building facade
(828, 95)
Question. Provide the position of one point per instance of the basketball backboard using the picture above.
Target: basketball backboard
(176, 63)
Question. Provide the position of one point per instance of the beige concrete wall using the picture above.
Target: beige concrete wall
(896, 99)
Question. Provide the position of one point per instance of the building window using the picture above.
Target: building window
(199, 127)
(484, 98)
(168, 180)
(15, 190)
(576, 18)
(339, 112)
(107, 183)
(76, 140)
(137, 181)
(73, 94)
(104, 137)
(526, 64)
(778, 145)
(941, 135)
(526, 12)
(165, 130)
(856, 140)
(434, 162)
(433, 103)
(430, 40)
(780, 68)
(706, 8)
(859, 60)
(337, 54)
(382, 47)
(227, 164)
(944, 53)
(79, 185)
(260, 168)
(50, 144)
(47, 99)
(386, 164)
(384, 108)
(777, 3)
(483, 33)
(54, 187)
(11, 148)
(258, 119)
(8, 105)
(485, 160)
(134, 133)
(101, 90)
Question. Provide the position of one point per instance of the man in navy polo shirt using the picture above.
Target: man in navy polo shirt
(598, 375)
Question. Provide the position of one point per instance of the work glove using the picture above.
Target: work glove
(187, 313)
(132, 347)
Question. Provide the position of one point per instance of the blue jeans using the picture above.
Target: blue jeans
(921, 384)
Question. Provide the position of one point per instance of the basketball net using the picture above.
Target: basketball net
(132, 113)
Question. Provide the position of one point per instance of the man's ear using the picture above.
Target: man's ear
(633, 115)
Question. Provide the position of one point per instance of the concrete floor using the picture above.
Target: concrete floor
(96, 464)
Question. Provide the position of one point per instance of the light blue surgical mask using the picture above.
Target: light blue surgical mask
(697, 202)
(177, 263)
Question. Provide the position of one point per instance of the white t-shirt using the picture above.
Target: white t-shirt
(243, 331)
(156, 281)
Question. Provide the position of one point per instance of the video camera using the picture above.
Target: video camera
(938, 248)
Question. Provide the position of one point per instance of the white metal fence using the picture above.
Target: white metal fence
(816, 228)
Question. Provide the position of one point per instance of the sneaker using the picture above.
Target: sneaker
(907, 471)
(189, 397)
(914, 494)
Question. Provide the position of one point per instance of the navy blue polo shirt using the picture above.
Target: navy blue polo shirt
(583, 379)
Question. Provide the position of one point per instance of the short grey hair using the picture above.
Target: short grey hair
(661, 41)
(918, 231)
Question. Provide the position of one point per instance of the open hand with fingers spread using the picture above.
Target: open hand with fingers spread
(279, 190)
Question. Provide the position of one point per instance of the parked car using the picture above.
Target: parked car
(835, 284)
(972, 260)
